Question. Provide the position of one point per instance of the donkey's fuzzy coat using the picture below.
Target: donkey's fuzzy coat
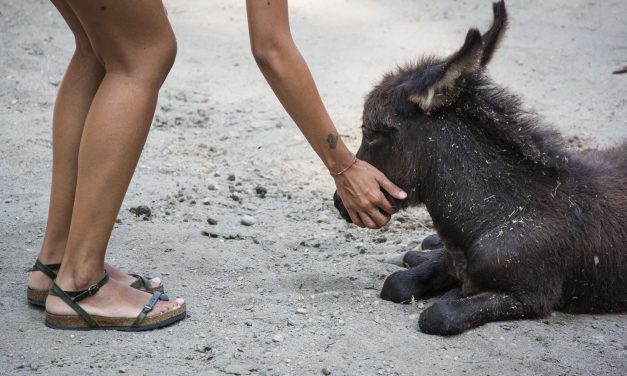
(527, 225)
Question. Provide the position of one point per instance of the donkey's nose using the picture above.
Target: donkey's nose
(339, 205)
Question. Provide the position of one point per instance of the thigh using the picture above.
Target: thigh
(123, 32)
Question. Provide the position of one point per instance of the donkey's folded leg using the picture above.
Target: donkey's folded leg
(429, 274)
(453, 316)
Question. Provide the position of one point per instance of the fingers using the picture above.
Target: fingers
(355, 218)
(391, 188)
(385, 205)
(374, 219)
(367, 221)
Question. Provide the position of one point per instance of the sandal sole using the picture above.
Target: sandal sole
(74, 322)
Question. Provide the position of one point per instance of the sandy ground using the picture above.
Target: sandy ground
(296, 293)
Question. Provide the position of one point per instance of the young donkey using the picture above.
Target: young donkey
(527, 226)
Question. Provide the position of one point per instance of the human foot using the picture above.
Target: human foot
(40, 281)
(112, 305)
(42, 276)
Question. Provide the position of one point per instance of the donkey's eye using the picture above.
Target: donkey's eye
(374, 138)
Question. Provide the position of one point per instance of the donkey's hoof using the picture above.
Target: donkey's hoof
(441, 319)
(432, 241)
(399, 287)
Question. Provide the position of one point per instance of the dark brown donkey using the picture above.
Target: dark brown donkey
(528, 227)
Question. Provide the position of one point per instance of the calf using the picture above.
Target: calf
(527, 226)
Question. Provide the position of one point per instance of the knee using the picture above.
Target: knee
(86, 54)
(156, 64)
(165, 54)
(149, 63)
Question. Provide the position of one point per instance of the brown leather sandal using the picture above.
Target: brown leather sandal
(38, 297)
(85, 321)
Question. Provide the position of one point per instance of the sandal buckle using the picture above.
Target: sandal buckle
(92, 290)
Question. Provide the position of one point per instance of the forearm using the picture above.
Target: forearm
(287, 73)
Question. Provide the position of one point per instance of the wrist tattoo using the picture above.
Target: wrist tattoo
(332, 140)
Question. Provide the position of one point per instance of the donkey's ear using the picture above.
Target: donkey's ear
(492, 38)
(447, 79)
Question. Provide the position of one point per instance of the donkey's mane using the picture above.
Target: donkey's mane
(500, 115)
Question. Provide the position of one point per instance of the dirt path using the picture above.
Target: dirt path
(296, 292)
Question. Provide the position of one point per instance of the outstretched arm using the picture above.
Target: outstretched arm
(287, 73)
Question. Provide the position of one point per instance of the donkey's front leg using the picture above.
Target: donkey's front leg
(451, 315)
(428, 274)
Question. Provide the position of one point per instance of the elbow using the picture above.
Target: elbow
(269, 56)
(265, 57)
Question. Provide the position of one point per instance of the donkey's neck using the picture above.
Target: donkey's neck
(475, 179)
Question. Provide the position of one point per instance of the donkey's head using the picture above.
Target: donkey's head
(401, 112)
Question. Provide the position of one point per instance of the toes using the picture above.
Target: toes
(166, 306)
(155, 282)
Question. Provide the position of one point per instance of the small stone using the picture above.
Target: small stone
(8, 201)
(248, 220)
(211, 187)
(301, 311)
(325, 371)
(141, 210)
(277, 338)
(261, 191)
(248, 323)
(121, 370)
(231, 177)
(209, 234)
(380, 239)
(212, 221)
(206, 201)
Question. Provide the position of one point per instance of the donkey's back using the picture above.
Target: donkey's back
(599, 236)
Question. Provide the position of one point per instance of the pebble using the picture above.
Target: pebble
(277, 338)
(8, 201)
(141, 210)
(248, 220)
(212, 221)
(206, 201)
(261, 191)
(231, 177)
(301, 311)
(211, 187)
(325, 371)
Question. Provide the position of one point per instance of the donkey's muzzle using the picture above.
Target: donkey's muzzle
(339, 205)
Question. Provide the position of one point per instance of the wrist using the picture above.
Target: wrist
(338, 159)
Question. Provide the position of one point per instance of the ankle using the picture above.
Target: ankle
(81, 279)
(51, 253)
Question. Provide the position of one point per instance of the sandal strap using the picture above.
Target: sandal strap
(71, 297)
(156, 296)
(141, 282)
(47, 269)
